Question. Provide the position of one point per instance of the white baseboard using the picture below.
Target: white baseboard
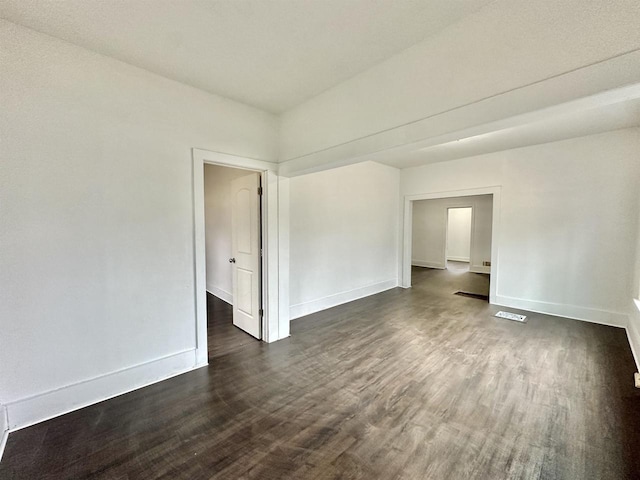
(633, 334)
(38, 408)
(603, 317)
(479, 269)
(459, 259)
(307, 308)
(4, 429)
(419, 263)
(221, 294)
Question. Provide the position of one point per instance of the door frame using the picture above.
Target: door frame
(407, 231)
(446, 232)
(274, 272)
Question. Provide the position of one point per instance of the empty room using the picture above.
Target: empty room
(317, 239)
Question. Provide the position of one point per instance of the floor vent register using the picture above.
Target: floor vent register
(511, 316)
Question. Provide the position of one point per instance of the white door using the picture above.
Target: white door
(245, 259)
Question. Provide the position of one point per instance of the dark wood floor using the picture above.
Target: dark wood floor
(412, 384)
(222, 337)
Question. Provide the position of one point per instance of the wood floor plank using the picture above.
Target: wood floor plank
(406, 384)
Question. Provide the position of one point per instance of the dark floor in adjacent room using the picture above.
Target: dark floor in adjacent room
(412, 384)
(223, 338)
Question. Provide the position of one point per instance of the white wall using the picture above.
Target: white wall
(539, 54)
(459, 234)
(217, 209)
(96, 244)
(428, 234)
(343, 234)
(429, 231)
(568, 209)
(482, 234)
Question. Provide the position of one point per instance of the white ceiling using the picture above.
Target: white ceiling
(273, 54)
(552, 129)
(604, 112)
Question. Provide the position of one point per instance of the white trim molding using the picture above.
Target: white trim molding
(4, 429)
(221, 294)
(420, 263)
(573, 312)
(307, 308)
(43, 406)
(634, 342)
(459, 259)
(274, 231)
(479, 269)
(633, 332)
(234, 161)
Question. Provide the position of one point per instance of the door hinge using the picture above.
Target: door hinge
(259, 190)
(261, 312)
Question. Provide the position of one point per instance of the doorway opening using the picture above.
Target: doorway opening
(275, 247)
(451, 245)
(233, 252)
(458, 239)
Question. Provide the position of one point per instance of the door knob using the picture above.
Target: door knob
(232, 260)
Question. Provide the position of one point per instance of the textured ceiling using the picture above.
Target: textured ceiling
(273, 54)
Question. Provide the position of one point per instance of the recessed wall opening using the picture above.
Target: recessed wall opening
(451, 245)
